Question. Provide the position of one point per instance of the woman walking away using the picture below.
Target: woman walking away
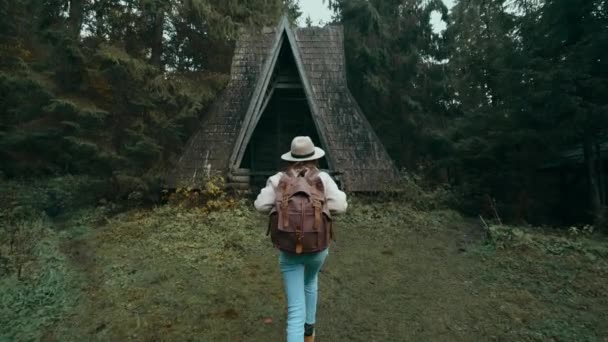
(301, 200)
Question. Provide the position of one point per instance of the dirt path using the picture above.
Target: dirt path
(155, 278)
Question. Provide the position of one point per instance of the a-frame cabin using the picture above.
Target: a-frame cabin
(285, 82)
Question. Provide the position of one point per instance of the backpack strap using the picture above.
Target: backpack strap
(318, 195)
(284, 201)
(316, 204)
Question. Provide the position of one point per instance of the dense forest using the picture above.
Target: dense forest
(506, 107)
(495, 104)
(498, 124)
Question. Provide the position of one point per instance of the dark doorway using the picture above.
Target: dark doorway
(286, 115)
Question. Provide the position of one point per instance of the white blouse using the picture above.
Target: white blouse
(336, 199)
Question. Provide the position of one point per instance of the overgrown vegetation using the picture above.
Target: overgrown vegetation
(181, 271)
(550, 283)
(577, 242)
(42, 290)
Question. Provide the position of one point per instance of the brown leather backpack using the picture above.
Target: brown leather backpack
(300, 221)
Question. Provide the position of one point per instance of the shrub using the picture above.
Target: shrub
(411, 189)
(576, 240)
(17, 242)
(53, 196)
(212, 196)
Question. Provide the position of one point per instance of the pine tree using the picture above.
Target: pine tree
(392, 59)
(113, 89)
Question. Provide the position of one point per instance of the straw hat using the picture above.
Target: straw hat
(302, 149)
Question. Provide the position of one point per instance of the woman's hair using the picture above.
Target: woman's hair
(301, 167)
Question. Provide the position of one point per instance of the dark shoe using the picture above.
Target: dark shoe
(309, 332)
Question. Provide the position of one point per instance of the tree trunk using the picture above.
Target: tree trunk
(76, 17)
(157, 38)
(594, 187)
(601, 174)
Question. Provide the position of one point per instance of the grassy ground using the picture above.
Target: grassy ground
(394, 274)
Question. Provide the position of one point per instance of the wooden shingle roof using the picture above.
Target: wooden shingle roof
(352, 147)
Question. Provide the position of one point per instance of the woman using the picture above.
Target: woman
(300, 271)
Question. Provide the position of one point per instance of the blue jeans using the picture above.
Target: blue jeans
(300, 281)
